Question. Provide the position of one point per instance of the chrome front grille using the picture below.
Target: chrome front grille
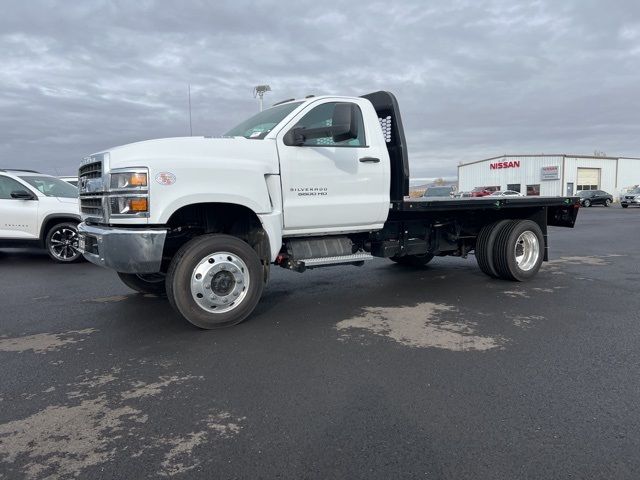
(91, 170)
(91, 206)
(91, 188)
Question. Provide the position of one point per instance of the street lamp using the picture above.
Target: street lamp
(259, 92)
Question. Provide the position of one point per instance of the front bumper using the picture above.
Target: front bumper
(126, 250)
(630, 201)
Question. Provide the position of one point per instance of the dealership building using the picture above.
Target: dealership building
(551, 175)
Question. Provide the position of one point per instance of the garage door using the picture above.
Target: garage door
(588, 179)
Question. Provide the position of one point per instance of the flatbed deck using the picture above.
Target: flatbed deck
(481, 203)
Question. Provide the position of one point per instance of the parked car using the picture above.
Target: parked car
(41, 210)
(631, 198)
(595, 197)
(483, 191)
(72, 180)
(507, 193)
(446, 192)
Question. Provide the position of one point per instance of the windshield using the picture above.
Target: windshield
(52, 187)
(635, 191)
(258, 126)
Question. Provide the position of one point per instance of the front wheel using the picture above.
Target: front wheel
(413, 260)
(144, 282)
(607, 202)
(61, 243)
(215, 281)
(624, 206)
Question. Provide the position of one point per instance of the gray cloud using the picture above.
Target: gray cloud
(473, 78)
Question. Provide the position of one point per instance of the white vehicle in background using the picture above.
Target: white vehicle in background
(39, 210)
(506, 193)
(72, 180)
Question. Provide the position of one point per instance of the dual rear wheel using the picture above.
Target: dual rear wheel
(510, 249)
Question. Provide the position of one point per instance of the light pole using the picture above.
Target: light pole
(259, 92)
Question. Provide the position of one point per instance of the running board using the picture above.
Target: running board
(357, 258)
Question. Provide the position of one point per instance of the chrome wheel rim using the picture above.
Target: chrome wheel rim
(64, 243)
(527, 250)
(220, 282)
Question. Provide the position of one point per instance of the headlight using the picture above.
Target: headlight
(133, 179)
(138, 205)
(129, 193)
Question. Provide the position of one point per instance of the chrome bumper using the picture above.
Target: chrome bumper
(126, 250)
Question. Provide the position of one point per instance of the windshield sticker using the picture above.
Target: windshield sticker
(255, 134)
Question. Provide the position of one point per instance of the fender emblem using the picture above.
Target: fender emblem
(166, 178)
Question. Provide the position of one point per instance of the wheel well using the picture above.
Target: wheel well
(51, 221)
(201, 218)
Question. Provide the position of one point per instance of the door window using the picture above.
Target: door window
(8, 185)
(515, 187)
(322, 116)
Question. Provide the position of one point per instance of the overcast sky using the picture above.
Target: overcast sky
(474, 78)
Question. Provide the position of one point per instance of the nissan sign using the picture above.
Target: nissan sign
(550, 173)
(499, 165)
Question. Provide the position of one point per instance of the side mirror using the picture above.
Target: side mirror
(344, 122)
(22, 195)
(295, 137)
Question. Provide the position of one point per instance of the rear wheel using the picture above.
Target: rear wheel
(413, 260)
(145, 282)
(62, 243)
(587, 203)
(519, 250)
(215, 281)
(484, 247)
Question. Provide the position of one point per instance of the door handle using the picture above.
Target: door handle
(369, 160)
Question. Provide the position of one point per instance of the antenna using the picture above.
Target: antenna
(190, 126)
(259, 92)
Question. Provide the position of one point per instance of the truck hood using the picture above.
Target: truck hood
(206, 152)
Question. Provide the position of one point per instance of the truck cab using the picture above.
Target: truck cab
(304, 184)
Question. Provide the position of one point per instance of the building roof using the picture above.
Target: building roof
(546, 155)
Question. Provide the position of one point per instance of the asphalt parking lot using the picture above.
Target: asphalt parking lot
(373, 372)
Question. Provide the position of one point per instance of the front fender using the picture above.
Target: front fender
(171, 207)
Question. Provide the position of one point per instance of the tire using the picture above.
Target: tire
(61, 243)
(526, 235)
(586, 203)
(145, 283)
(624, 206)
(215, 272)
(484, 247)
(607, 202)
(413, 260)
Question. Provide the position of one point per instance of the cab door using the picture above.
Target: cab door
(18, 218)
(330, 184)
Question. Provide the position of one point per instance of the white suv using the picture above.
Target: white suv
(38, 209)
